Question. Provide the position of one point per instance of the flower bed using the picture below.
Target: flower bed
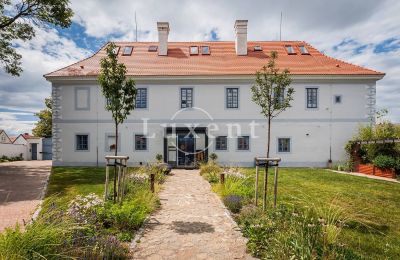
(370, 169)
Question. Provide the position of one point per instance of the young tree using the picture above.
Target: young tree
(272, 92)
(119, 91)
(16, 20)
(44, 125)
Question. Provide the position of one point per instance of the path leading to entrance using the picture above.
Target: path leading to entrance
(21, 186)
(191, 224)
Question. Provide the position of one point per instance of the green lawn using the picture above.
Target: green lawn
(67, 182)
(373, 203)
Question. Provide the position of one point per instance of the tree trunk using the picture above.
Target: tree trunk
(266, 165)
(115, 161)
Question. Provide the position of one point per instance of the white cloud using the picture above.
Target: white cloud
(13, 126)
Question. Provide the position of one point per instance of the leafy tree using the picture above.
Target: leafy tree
(119, 91)
(44, 125)
(17, 21)
(272, 92)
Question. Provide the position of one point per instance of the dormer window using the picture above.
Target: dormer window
(127, 51)
(205, 50)
(257, 48)
(194, 50)
(152, 48)
(290, 50)
(303, 50)
(116, 50)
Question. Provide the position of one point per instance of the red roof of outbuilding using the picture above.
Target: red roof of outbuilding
(221, 61)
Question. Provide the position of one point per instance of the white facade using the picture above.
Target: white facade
(315, 134)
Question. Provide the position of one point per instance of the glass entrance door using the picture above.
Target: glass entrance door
(186, 150)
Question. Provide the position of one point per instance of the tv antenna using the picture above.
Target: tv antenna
(136, 38)
(280, 29)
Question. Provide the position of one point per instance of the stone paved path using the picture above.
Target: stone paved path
(21, 185)
(191, 224)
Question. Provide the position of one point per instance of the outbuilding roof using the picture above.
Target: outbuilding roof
(221, 60)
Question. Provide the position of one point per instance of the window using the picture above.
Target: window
(243, 143)
(140, 142)
(186, 97)
(303, 50)
(82, 142)
(312, 98)
(279, 96)
(108, 102)
(141, 98)
(153, 48)
(116, 50)
(3, 138)
(127, 51)
(232, 98)
(257, 48)
(221, 143)
(283, 145)
(194, 50)
(290, 49)
(205, 50)
(338, 99)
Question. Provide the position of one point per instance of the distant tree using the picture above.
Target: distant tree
(16, 23)
(272, 92)
(44, 125)
(119, 91)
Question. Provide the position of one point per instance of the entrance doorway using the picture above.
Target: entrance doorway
(185, 148)
(34, 151)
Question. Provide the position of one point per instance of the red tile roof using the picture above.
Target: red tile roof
(221, 61)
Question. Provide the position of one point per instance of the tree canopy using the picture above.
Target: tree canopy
(18, 20)
(44, 125)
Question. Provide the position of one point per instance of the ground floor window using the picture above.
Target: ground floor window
(284, 145)
(140, 142)
(82, 142)
(243, 143)
(221, 143)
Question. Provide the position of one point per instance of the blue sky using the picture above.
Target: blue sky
(363, 32)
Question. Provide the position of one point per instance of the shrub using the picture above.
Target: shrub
(83, 209)
(159, 157)
(385, 162)
(233, 203)
(210, 167)
(213, 157)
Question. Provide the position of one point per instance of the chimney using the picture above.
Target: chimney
(163, 31)
(241, 37)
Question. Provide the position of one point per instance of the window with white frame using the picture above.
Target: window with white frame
(186, 97)
(232, 98)
(312, 97)
(279, 96)
(243, 143)
(221, 143)
(140, 142)
(284, 145)
(141, 98)
(82, 142)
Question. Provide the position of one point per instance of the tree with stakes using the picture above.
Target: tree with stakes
(272, 92)
(119, 91)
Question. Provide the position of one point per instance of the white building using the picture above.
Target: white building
(25, 145)
(205, 86)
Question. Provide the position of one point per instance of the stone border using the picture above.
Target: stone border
(41, 198)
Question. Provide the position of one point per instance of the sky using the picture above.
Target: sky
(363, 32)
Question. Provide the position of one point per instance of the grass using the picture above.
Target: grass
(373, 205)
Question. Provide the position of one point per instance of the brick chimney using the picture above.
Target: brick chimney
(241, 37)
(163, 31)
